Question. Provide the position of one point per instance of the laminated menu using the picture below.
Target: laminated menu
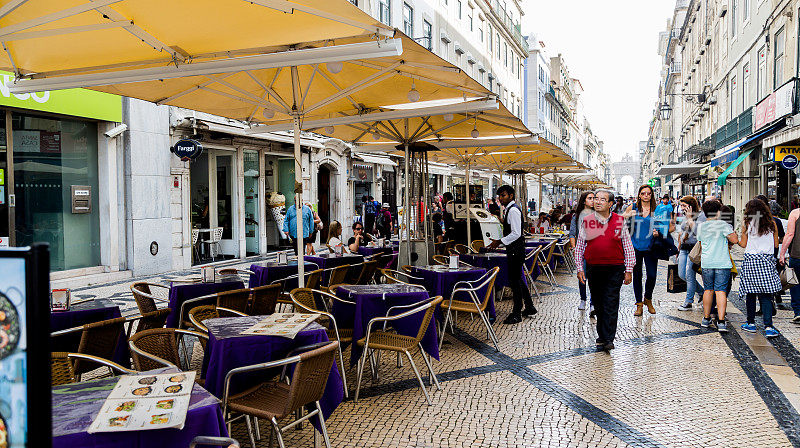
(143, 402)
(285, 324)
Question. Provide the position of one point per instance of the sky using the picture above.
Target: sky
(612, 48)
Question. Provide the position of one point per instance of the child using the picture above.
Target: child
(759, 275)
(714, 236)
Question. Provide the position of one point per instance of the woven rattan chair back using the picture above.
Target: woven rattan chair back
(490, 286)
(477, 245)
(407, 268)
(441, 259)
(384, 260)
(368, 272)
(265, 298)
(310, 377)
(160, 342)
(61, 371)
(99, 339)
(305, 297)
(353, 273)
(550, 252)
(338, 275)
(200, 313)
(234, 300)
(155, 319)
(426, 319)
(143, 296)
(462, 249)
(314, 279)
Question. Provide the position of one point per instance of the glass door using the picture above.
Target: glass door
(251, 202)
(6, 187)
(225, 202)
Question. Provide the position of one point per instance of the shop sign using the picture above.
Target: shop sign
(77, 102)
(187, 149)
(789, 162)
(782, 152)
(778, 104)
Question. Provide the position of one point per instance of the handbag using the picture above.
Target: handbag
(788, 278)
(695, 253)
(675, 284)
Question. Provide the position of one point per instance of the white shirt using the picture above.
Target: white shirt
(759, 244)
(514, 219)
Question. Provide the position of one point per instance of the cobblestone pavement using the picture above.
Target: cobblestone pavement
(668, 383)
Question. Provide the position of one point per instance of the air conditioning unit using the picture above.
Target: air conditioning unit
(445, 37)
(712, 100)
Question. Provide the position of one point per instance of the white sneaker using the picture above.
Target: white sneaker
(582, 305)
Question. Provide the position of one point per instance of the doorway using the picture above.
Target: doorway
(324, 195)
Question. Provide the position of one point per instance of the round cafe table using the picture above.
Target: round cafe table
(490, 260)
(440, 280)
(181, 292)
(269, 272)
(374, 301)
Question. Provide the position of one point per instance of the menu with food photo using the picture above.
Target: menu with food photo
(140, 402)
(285, 324)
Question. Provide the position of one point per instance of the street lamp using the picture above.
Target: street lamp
(651, 146)
(665, 111)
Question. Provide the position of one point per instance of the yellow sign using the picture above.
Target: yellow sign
(783, 151)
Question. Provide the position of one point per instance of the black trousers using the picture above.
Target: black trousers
(521, 294)
(604, 285)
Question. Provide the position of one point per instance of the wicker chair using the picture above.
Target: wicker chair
(532, 254)
(225, 442)
(158, 347)
(235, 300)
(384, 340)
(306, 300)
(313, 280)
(143, 293)
(407, 268)
(477, 245)
(265, 298)
(545, 256)
(391, 276)
(63, 372)
(368, 271)
(384, 260)
(474, 306)
(353, 274)
(441, 259)
(462, 249)
(274, 400)
(200, 313)
(338, 275)
(99, 339)
(155, 319)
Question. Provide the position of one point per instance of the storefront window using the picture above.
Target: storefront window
(52, 159)
(251, 201)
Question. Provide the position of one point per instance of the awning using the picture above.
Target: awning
(732, 151)
(374, 158)
(679, 168)
(724, 176)
(239, 130)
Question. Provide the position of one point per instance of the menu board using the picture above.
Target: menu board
(286, 324)
(23, 347)
(142, 402)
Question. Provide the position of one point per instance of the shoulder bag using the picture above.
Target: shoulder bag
(695, 253)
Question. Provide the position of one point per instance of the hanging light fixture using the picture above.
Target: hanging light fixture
(334, 67)
(475, 132)
(375, 135)
(447, 117)
(665, 111)
(268, 113)
(413, 94)
(518, 150)
(329, 130)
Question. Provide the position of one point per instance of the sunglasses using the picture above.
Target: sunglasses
(359, 228)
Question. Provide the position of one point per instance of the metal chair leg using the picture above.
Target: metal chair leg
(419, 378)
(434, 379)
(250, 430)
(278, 433)
(322, 427)
(444, 328)
(257, 428)
(489, 329)
(341, 370)
(360, 373)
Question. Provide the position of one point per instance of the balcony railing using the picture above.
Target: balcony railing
(513, 28)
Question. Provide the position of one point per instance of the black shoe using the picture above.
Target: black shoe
(592, 313)
(759, 313)
(513, 319)
(609, 346)
(600, 343)
(529, 312)
(781, 306)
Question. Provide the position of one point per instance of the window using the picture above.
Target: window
(732, 97)
(458, 9)
(746, 85)
(745, 10)
(541, 74)
(733, 18)
(385, 11)
(780, 47)
(497, 38)
(761, 75)
(505, 54)
(480, 31)
(470, 14)
(427, 32)
(408, 20)
(490, 38)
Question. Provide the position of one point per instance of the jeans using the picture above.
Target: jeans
(650, 261)
(717, 279)
(604, 285)
(794, 291)
(686, 273)
(766, 308)
(582, 287)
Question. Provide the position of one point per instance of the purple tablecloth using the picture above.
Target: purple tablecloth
(264, 275)
(330, 261)
(369, 251)
(228, 349)
(82, 314)
(374, 301)
(490, 260)
(76, 405)
(179, 293)
(441, 280)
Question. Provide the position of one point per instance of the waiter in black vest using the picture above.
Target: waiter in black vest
(514, 242)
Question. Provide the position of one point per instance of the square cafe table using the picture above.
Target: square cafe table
(82, 314)
(330, 261)
(374, 301)
(368, 251)
(76, 405)
(181, 292)
(440, 280)
(269, 272)
(491, 259)
(228, 349)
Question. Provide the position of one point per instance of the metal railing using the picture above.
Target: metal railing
(513, 28)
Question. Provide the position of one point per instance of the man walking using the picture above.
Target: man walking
(290, 224)
(514, 242)
(605, 244)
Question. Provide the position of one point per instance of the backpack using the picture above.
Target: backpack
(380, 220)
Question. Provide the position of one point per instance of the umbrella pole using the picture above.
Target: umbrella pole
(540, 193)
(469, 227)
(407, 205)
(298, 201)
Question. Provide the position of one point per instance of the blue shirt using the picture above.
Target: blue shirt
(290, 223)
(642, 231)
(663, 215)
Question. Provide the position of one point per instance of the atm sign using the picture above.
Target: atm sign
(783, 151)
